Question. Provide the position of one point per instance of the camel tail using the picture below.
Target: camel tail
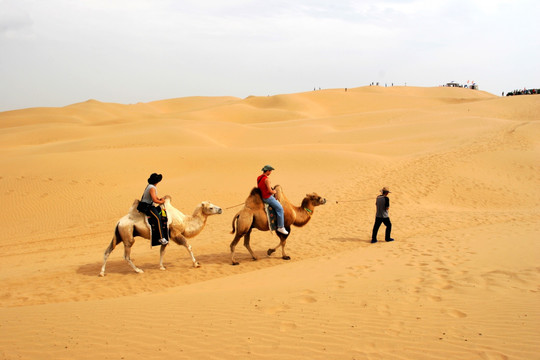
(234, 222)
(117, 236)
(117, 239)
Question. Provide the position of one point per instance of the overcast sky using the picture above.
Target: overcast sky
(60, 52)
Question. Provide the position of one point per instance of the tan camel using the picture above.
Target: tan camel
(180, 227)
(253, 216)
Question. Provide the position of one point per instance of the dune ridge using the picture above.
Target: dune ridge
(460, 281)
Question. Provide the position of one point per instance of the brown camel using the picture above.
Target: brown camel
(180, 227)
(253, 216)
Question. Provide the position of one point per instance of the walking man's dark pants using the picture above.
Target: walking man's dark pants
(377, 225)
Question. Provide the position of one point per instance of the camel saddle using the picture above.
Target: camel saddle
(272, 217)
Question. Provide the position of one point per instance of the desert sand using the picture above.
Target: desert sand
(461, 281)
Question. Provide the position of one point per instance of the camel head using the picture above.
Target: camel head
(210, 209)
(315, 199)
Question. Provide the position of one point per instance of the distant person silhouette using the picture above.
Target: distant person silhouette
(381, 217)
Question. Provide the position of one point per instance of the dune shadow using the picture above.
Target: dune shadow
(241, 256)
(214, 258)
(120, 266)
(113, 266)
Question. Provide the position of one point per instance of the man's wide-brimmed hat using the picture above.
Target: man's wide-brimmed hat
(385, 190)
(267, 168)
(155, 178)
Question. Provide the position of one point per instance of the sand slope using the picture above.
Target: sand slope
(461, 281)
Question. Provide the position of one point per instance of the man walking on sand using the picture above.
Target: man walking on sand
(383, 204)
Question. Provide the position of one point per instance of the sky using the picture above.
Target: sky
(60, 52)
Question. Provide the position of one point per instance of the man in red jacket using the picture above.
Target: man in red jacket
(263, 183)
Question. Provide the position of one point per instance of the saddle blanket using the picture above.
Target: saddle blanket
(272, 217)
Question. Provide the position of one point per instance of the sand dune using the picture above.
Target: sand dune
(461, 281)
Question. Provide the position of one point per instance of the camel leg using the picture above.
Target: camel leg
(282, 242)
(235, 241)
(127, 257)
(246, 244)
(161, 255)
(244, 219)
(108, 251)
(182, 241)
(271, 251)
(283, 255)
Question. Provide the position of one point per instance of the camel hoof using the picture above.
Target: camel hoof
(101, 274)
(162, 268)
(270, 251)
(235, 263)
(286, 257)
(255, 259)
(196, 265)
(139, 271)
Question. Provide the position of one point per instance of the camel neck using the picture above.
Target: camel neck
(195, 223)
(303, 213)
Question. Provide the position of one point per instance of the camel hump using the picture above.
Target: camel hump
(254, 200)
(279, 193)
(133, 207)
(256, 191)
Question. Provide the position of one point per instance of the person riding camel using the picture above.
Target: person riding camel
(160, 234)
(263, 183)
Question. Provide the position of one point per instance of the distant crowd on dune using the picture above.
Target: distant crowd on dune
(470, 85)
(523, 92)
